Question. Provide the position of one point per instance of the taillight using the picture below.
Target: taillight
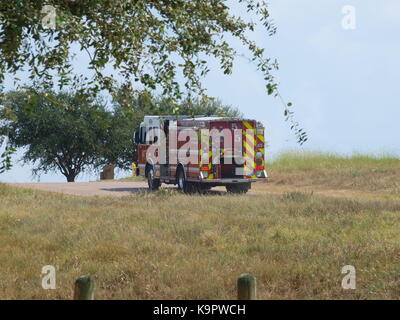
(259, 161)
(204, 168)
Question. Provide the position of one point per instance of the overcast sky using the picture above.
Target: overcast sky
(344, 83)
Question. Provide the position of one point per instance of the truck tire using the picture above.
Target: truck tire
(239, 188)
(183, 185)
(154, 184)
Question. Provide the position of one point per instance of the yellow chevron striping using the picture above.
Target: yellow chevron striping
(248, 150)
(210, 176)
(250, 138)
(247, 125)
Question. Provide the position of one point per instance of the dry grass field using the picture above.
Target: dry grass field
(319, 213)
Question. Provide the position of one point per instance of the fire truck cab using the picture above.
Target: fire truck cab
(198, 153)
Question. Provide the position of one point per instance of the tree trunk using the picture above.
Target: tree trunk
(71, 177)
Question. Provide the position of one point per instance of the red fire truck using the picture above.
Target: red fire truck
(198, 153)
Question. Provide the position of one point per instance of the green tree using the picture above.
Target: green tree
(61, 131)
(148, 43)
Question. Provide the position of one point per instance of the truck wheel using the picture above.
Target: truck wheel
(154, 184)
(183, 185)
(238, 188)
(181, 179)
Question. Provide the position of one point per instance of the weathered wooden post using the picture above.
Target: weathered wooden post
(84, 288)
(247, 287)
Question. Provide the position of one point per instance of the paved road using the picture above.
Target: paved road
(116, 189)
(120, 189)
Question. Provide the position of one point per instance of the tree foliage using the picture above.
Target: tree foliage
(140, 38)
(6, 152)
(149, 43)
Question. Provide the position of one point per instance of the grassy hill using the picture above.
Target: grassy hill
(319, 213)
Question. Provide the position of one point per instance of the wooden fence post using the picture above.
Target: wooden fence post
(247, 287)
(84, 288)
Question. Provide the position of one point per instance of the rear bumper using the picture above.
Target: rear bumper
(229, 181)
(226, 181)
